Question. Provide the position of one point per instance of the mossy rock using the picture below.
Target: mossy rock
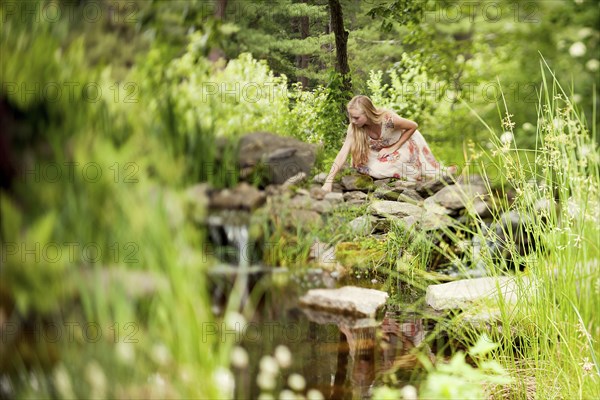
(357, 255)
(361, 182)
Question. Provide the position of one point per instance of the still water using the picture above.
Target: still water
(341, 357)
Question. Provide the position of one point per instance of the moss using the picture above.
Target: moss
(369, 253)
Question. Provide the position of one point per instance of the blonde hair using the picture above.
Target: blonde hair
(360, 142)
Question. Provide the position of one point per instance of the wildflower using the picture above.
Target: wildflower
(506, 137)
(582, 332)
(297, 382)
(269, 365)
(507, 122)
(593, 65)
(587, 366)
(577, 49)
(283, 356)
(314, 394)
(239, 357)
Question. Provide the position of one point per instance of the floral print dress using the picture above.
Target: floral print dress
(413, 161)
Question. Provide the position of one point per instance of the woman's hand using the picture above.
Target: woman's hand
(327, 187)
(383, 153)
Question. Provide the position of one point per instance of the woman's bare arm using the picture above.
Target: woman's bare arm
(409, 127)
(340, 159)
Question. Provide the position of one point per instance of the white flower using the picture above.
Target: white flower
(506, 137)
(239, 357)
(161, 354)
(97, 380)
(223, 379)
(528, 127)
(265, 381)
(409, 392)
(576, 98)
(585, 32)
(269, 365)
(577, 49)
(62, 380)
(314, 394)
(287, 395)
(125, 352)
(235, 320)
(297, 382)
(593, 65)
(283, 355)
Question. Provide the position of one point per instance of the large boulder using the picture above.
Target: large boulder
(275, 158)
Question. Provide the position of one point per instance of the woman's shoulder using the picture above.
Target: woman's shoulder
(388, 118)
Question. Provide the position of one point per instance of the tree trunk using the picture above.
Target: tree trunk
(341, 42)
(302, 60)
(216, 52)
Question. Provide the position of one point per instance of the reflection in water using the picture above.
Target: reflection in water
(342, 357)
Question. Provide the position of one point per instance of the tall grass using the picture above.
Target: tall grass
(549, 339)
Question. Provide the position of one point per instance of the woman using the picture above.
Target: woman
(384, 145)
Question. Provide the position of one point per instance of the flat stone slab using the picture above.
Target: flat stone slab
(386, 207)
(463, 293)
(349, 300)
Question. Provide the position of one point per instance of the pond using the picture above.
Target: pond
(342, 357)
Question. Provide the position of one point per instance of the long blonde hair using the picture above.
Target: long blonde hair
(360, 137)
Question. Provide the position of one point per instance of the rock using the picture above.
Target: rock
(404, 185)
(363, 225)
(410, 196)
(385, 207)
(320, 178)
(303, 218)
(322, 206)
(300, 202)
(382, 184)
(197, 199)
(349, 322)
(457, 196)
(243, 196)
(464, 293)
(385, 193)
(361, 182)
(410, 220)
(482, 209)
(431, 221)
(323, 255)
(349, 300)
(433, 207)
(293, 180)
(334, 198)
(351, 196)
(317, 193)
(431, 187)
(281, 157)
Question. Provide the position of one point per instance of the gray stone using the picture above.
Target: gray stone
(385, 193)
(456, 197)
(360, 182)
(385, 207)
(433, 207)
(281, 157)
(317, 193)
(431, 221)
(432, 186)
(323, 254)
(404, 185)
(464, 293)
(243, 196)
(334, 197)
(362, 225)
(410, 196)
(356, 195)
(320, 178)
(349, 300)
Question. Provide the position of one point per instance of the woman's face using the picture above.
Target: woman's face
(357, 117)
